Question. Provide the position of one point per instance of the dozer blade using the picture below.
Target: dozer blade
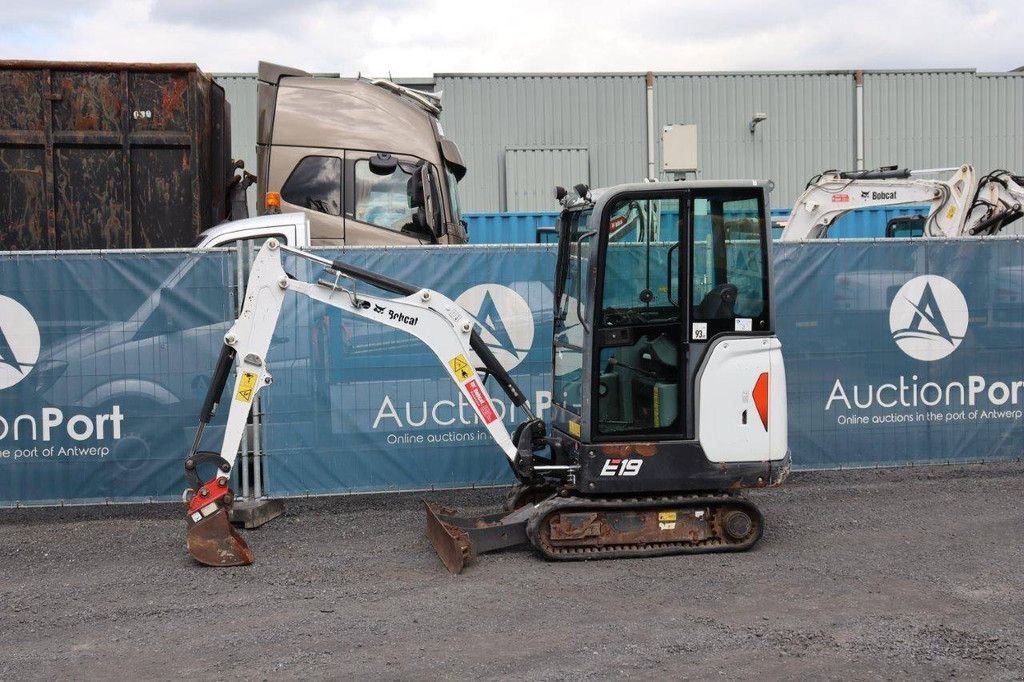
(451, 543)
(458, 539)
(213, 541)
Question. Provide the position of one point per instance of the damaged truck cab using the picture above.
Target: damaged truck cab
(366, 160)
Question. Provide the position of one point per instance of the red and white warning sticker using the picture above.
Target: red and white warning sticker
(483, 405)
(840, 198)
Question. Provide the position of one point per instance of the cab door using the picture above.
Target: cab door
(381, 209)
(638, 384)
(677, 271)
(731, 334)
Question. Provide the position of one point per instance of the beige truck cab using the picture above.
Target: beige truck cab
(365, 160)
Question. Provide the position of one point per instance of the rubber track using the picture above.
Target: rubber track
(717, 543)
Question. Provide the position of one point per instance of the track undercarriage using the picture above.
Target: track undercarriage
(568, 528)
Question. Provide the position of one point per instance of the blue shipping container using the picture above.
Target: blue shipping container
(521, 228)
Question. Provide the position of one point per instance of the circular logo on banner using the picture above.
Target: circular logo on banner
(19, 342)
(928, 318)
(506, 321)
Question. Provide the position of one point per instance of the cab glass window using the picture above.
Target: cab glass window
(453, 193)
(729, 278)
(638, 375)
(382, 200)
(641, 274)
(315, 184)
(573, 260)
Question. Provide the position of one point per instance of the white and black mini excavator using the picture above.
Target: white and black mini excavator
(959, 205)
(668, 387)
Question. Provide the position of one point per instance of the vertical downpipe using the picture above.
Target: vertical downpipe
(649, 79)
(858, 81)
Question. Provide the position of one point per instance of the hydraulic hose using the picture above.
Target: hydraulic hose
(216, 389)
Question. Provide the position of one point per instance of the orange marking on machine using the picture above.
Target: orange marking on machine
(761, 398)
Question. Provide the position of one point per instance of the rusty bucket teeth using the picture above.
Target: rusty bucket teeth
(451, 543)
(213, 541)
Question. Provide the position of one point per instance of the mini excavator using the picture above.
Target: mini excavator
(669, 390)
(960, 205)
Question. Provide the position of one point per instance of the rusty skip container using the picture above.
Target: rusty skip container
(108, 155)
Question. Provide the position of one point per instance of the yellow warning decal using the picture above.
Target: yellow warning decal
(574, 429)
(461, 367)
(951, 212)
(245, 387)
(665, 517)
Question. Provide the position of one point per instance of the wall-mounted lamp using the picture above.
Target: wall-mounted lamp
(758, 117)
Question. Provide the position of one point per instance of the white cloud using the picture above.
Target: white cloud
(436, 36)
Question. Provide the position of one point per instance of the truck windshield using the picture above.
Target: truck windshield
(453, 193)
(455, 222)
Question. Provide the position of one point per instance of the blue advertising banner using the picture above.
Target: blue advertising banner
(902, 352)
(896, 352)
(104, 361)
(367, 408)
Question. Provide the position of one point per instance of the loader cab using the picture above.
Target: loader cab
(649, 278)
(366, 160)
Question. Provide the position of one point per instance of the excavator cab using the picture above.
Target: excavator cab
(663, 331)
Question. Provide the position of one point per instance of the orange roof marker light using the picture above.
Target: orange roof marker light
(273, 202)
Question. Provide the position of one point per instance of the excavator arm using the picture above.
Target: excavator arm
(833, 194)
(997, 202)
(446, 328)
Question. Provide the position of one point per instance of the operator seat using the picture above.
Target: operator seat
(719, 303)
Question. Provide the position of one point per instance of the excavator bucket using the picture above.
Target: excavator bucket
(458, 539)
(213, 541)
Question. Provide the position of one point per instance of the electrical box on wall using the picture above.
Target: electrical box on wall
(679, 148)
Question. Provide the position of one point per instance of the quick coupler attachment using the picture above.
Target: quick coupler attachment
(211, 539)
(459, 539)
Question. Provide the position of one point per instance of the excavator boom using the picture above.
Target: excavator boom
(833, 194)
(439, 322)
(959, 206)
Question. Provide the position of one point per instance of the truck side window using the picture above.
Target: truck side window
(382, 200)
(315, 184)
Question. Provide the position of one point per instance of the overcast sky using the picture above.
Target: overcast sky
(420, 38)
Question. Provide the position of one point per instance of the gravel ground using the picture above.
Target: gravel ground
(908, 573)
